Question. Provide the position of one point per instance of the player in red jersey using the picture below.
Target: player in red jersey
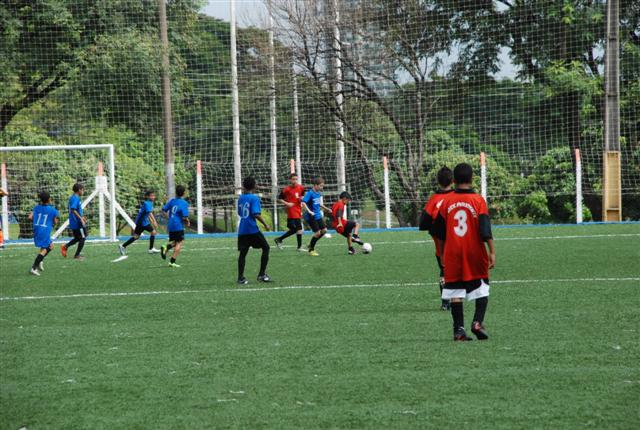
(291, 196)
(343, 225)
(464, 227)
(430, 213)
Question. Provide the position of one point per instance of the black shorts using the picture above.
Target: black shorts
(176, 236)
(294, 224)
(316, 224)
(255, 240)
(140, 228)
(348, 228)
(79, 233)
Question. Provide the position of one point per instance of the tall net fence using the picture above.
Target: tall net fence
(424, 83)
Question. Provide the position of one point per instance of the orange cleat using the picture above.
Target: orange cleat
(63, 251)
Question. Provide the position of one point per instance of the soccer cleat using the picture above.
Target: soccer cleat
(461, 336)
(242, 281)
(79, 257)
(63, 250)
(356, 239)
(175, 265)
(122, 249)
(302, 249)
(479, 331)
(445, 306)
(278, 243)
(351, 251)
(154, 251)
(163, 252)
(264, 278)
(41, 266)
(34, 272)
(313, 253)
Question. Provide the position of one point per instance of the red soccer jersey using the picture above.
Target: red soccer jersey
(431, 208)
(464, 224)
(338, 212)
(293, 194)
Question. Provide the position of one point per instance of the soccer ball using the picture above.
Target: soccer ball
(367, 248)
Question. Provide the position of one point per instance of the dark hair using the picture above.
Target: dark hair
(180, 189)
(445, 177)
(77, 187)
(293, 175)
(319, 180)
(463, 173)
(345, 195)
(148, 193)
(249, 183)
(44, 197)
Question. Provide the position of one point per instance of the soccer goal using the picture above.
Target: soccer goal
(27, 170)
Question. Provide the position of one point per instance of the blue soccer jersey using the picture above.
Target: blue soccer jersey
(313, 200)
(75, 204)
(143, 214)
(248, 207)
(43, 218)
(177, 209)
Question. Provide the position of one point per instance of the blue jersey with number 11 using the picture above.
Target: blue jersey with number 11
(43, 218)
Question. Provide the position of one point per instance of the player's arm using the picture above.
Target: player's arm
(439, 231)
(82, 219)
(30, 216)
(3, 192)
(153, 221)
(325, 208)
(283, 201)
(487, 237)
(303, 203)
(262, 221)
(426, 222)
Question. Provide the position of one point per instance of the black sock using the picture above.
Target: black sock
(264, 260)
(312, 244)
(481, 309)
(71, 242)
(241, 262)
(152, 240)
(46, 252)
(173, 260)
(38, 260)
(129, 242)
(457, 312)
(169, 246)
(286, 235)
(299, 239)
(80, 246)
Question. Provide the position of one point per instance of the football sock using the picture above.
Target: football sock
(71, 242)
(80, 246)
(169, 246)
(241, 262)
(129, 242)
(47, 252)
(173, 260)
(299, 239)
(481, 308)
(312, 244)
(152, 241)
(286, 235)
(39, 259)
(457, 313)
(264, 260)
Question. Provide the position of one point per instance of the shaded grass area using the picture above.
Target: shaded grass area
(371, 351)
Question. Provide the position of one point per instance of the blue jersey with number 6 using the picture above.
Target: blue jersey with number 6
(178, 209)
(248, 208)
(43, 217)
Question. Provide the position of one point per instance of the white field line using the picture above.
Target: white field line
(303, 287)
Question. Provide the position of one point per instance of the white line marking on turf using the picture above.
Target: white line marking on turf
(302, 287)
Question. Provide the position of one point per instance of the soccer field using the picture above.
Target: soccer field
(336, 342)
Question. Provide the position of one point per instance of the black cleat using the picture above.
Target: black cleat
(352, 251)
(278, 243)
(264, 278)
(163, 252)
(461, 336)
(445, 306)
(479, 331)
(242, 281)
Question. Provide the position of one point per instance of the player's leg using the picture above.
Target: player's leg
(264, 259)
(456, 294)
(299, 238)
(81, 240)
(177, 247)
(354, 233)
(164, 249)
(38, 261)
(445, 303)
(481, 297)
(152, 241)
(133, 238)
(65, 247)
(290, 232)
(350, 249)
(243, 249)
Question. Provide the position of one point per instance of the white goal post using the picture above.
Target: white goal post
(104, 187)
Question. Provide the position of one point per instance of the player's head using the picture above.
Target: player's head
(345, 197)
(445, 177)
(44, 197)
(249, 183)
(293, 179)
(318, 183)
(149, 195)
(463, 174)
(78, 188)
(180, 190)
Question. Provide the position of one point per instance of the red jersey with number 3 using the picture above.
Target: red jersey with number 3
(293, 194)
(432, 207)
(464, 220)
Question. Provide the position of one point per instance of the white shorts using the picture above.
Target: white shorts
(461, 293)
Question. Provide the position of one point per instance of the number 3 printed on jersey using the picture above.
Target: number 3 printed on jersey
(462, 227)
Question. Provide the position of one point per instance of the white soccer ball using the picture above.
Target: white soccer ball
(367, 248)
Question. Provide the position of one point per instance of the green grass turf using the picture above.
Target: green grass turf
(562, 354)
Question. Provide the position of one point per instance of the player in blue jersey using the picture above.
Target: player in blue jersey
(77, 222)
(44, 217)
(249, 235)
(312, 204)
(178, 211)
(145, 221)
